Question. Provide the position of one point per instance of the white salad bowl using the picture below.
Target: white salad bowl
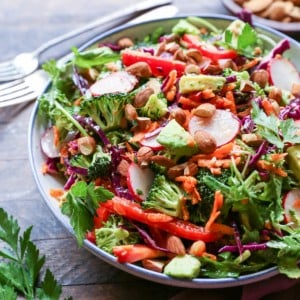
(45, 183)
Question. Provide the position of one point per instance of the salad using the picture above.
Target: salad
(180, 151)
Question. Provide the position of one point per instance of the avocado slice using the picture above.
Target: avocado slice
(177, 140)
(183, 266)
(293, 159)
(198, 82)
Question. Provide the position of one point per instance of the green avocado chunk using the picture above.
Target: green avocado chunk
(192, 83)
(293, 159)
(184, 266)
(177, 140)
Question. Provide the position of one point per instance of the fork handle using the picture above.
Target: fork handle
(117, 18)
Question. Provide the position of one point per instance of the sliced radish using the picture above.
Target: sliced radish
(283, 73)
(139, 181)
(117, 82)
(223, 126)
(291, 202)
(152, 143)
(47, 143)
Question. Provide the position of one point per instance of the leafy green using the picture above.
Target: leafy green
(81, 203)
(21, 264)
(277, 132)
(245, 41)
(288, 247)
(94, 57)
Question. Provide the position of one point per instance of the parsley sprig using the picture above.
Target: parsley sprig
(81, 203)
(21, 263)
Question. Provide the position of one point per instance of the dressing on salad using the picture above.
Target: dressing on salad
(181, 147)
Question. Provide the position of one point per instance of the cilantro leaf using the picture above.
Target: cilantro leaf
(21, 264)
(275, 131)
(81, 203)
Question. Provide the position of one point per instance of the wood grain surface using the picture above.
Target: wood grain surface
(25, 25)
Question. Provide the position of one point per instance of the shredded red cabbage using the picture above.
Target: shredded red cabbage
(292, 110)
(262, 149)
(71, 180)
(148, 239)
(250, 247)
(80, 82)
(280, 48)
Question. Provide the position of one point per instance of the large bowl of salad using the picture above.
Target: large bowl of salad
(170, 149)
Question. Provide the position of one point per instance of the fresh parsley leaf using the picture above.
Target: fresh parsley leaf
(247, 38)
(81, 203)
(21, 264)
(275, 131)
(7, 292)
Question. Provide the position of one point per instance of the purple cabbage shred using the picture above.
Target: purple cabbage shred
(262, 149)
(280, 48)
(250, 247)
(292, 110)
(80, 82)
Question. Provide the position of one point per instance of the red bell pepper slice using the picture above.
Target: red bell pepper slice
(134, 253)
(159, 66)
(102, 214)
(210, 51)
(184, 229)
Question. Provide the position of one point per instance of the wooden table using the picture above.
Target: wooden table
(24, 25)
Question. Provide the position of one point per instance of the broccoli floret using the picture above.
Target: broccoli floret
(97, 165)
(114, 233)
(201, 211)
(155, 108)
(164, 196)
(107, 110)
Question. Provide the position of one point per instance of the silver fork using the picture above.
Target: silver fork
(25, 63)
(24, 89)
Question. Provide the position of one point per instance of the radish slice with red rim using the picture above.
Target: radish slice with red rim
(291, 203)
(47, 144)
(223, 126)
(139, 181)
(283, 73)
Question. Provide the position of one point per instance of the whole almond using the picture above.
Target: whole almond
(205, 141)
(204, 110)
(153, 265)
(175, 245)
(144, 154)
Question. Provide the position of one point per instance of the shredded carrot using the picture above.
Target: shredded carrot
(207, 94)
(171, 81)
(215, 165)
(249, 65)
(56, 135)
(262, 164)
(170, 95)
(218, 203)
(189, 184)
(210, 256)
(56, 193)
(63, 153)
(228, 87)
(230, 103)
(184, 210)
(267, 106)
(276, 157)
(77, 102)
(219, 153)
(221, 228)
(188, 103)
